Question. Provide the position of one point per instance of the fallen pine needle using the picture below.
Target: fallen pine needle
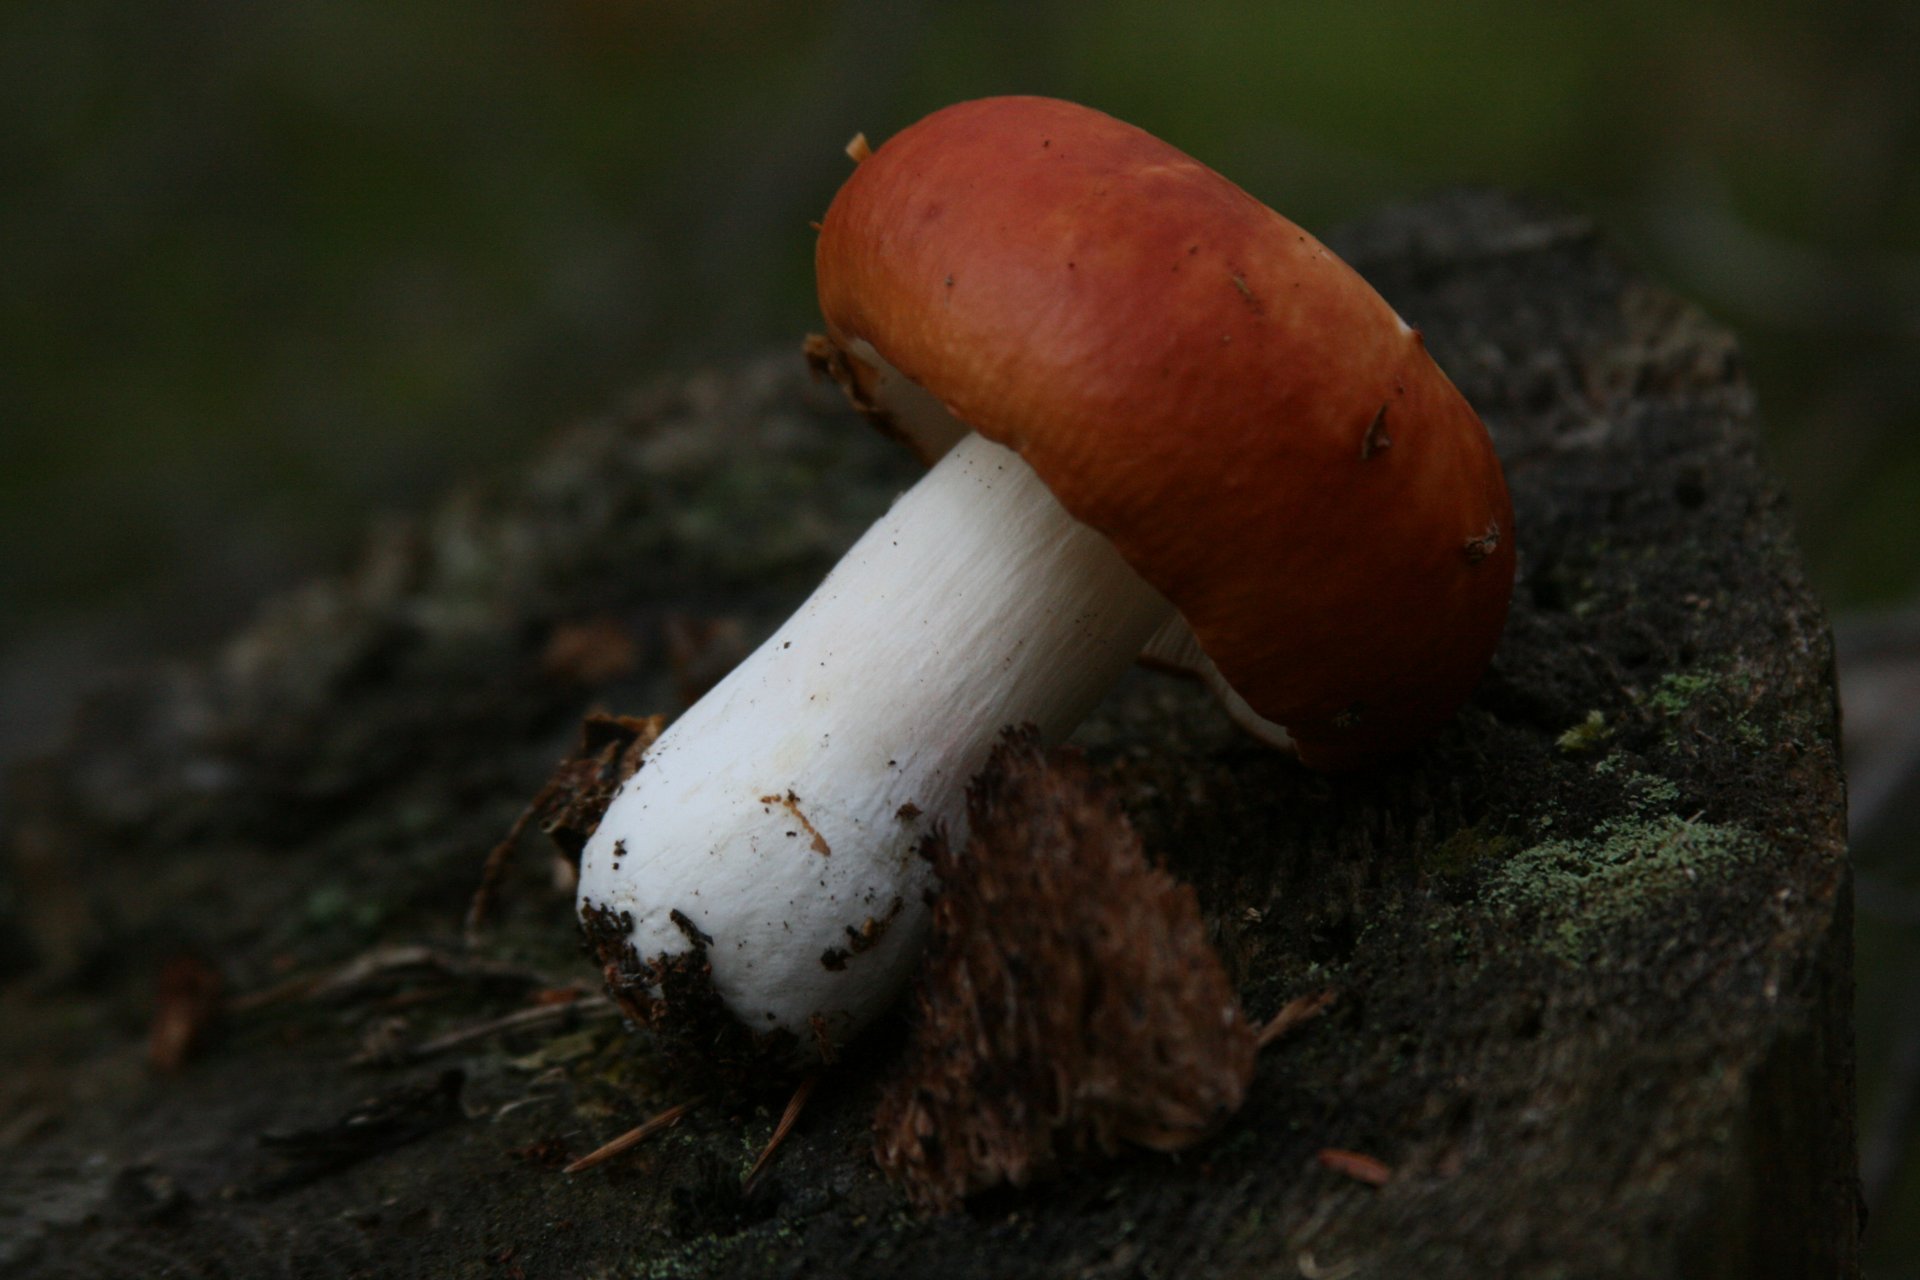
(633, 1137)
(795, 1105)
(1295, 1014)
(1355, 1165)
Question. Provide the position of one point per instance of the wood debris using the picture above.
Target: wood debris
(1070, 1002)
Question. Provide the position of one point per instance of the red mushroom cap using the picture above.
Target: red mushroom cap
(1253, 427)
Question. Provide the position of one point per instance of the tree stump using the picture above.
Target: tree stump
(1591, 945)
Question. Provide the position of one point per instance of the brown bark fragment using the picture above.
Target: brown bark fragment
(1070, 1001)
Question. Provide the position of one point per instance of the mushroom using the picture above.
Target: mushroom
(1159, 409)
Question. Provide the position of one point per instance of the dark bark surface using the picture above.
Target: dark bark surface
(1592, 944)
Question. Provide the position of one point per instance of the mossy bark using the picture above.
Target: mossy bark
(1592, 944)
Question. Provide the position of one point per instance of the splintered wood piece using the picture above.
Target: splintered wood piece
(1071, 1001)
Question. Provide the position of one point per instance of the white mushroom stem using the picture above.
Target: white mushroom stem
(779, 818)
(918, 417)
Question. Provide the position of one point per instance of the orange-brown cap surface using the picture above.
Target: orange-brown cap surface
(1191, 374)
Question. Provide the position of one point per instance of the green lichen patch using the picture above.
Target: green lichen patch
(1678, 691)
(1646, 794)
(1717, 702)
(1638, 787)
(1572, 892)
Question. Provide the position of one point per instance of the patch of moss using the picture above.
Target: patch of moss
(1462, 851)
(1586, 735)
(1574, 891)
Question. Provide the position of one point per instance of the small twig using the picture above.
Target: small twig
(1295, 1014)
(795, 1105)
(539, 1015)
(481, 904)
(381, 962)
(634, 1137)
(571, 801)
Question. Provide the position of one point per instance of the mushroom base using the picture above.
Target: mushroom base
(774, 827)
(675, 995)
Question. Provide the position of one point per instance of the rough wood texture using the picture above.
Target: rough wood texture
(1593, 943)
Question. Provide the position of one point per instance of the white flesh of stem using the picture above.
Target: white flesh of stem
(781, 815)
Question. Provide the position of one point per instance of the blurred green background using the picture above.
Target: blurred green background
(267, 268)
(262, 266)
